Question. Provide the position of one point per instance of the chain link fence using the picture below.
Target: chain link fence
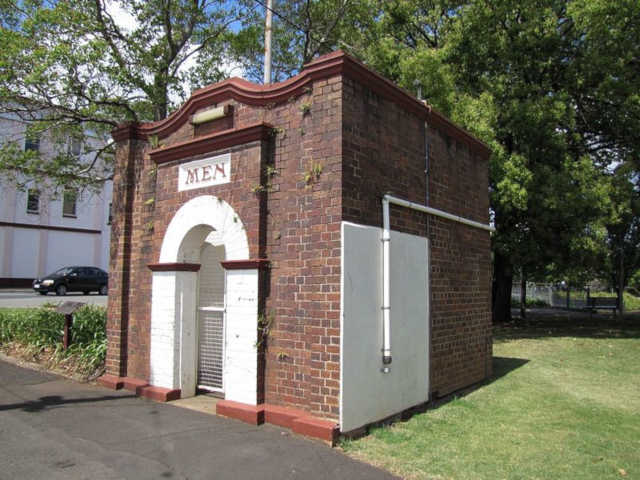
(556, 295)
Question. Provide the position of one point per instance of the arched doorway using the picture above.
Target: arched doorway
(204, 318)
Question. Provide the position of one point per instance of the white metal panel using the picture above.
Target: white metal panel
(366, 393)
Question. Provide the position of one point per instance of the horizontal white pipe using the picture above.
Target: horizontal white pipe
(386, 275)
(436, 212)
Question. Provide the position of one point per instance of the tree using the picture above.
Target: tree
(71, 67)
(623, 229)
(518, 75)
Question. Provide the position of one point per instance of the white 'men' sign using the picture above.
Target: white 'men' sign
(205, 172)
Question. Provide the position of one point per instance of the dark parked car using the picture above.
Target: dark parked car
(73, 279)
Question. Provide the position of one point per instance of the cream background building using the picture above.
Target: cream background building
(39, 237)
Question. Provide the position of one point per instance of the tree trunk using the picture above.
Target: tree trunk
(523, 295)
(161, 95)
(502, 279)
(160, 111)
(621, 284)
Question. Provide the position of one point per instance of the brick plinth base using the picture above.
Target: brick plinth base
(314, 427)
(140, 387)
(133, 384)
(111, 381)
(298, 421)
(253, 414)
(158, 394)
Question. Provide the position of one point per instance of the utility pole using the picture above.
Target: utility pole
(267, 42)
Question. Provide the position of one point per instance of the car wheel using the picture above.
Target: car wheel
(103, 290)
(61, 290)
(42, 293)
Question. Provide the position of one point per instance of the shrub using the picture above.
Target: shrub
(42, 329)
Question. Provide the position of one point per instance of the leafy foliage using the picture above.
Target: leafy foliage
(551, 87)
(42, 328)
(74, 68)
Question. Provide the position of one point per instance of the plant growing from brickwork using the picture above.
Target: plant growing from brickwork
(277, 131)
(264, 326)
(282, 356)
(270, 171)
(305, 108)
(312, 175)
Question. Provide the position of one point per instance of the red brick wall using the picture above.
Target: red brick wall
(384, 152)
(294, 223)
(126, 187)
(303, 245)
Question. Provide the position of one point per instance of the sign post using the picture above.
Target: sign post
(68, 309)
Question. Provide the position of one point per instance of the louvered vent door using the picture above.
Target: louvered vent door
(211, 318)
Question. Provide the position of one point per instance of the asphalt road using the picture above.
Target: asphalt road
(28, 298)
(54, 428)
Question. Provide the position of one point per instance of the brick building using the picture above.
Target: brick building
(316, 251)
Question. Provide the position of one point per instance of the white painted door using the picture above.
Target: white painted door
(211, 319)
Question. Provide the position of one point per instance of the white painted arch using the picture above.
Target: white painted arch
(173, 342)
(209, 211)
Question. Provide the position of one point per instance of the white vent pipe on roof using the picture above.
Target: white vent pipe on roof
(386, 276)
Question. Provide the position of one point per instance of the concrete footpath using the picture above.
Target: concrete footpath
(53, 428)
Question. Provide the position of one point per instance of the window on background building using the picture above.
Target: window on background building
(75, 146)
(33, 201)
(69, 200)
(32, 141)
(110, 216)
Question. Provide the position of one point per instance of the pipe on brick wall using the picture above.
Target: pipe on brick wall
(386, 298)
(427, 152)
(386, 273)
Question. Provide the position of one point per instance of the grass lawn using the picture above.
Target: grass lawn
(564, 404)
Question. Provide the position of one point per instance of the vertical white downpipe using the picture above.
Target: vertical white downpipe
(386, 280)
(427, 155)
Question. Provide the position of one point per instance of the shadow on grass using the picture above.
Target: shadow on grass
(501, 367)
(544, 323)
(43, 403)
